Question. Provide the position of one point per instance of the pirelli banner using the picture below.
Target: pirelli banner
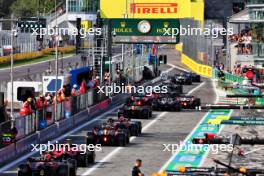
(200, 69)
(157, 9)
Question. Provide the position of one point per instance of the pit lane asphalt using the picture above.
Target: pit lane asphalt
(163, 128)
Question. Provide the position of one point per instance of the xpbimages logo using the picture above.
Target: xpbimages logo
(67, 31)
(194, 31)
(51, 147)
(190, 147)
(115, 89)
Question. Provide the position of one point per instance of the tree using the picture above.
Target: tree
(25, 8)
(4, 7)
(31, 8)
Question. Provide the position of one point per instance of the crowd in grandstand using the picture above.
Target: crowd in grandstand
(243, 41)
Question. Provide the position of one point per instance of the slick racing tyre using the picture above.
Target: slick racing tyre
(121, 140)
(91, 156)
(133, 129)
(24, 170)
(72, 164)
(82, 160)
(90, 138)
(63, 169)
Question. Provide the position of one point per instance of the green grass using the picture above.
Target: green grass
(31, 61)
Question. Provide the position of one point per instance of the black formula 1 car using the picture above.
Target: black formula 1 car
(137, 107)
(182, 79)
(134, 127)
(48, 166)
(109, 135)
(166, 102)
(190, 102)
(172, 87)
(195, 77)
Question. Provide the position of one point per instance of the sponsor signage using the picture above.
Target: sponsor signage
(145, 9)
(144, 30)
(242, 122)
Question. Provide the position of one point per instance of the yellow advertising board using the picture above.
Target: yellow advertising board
(200, 69)
(157, 9)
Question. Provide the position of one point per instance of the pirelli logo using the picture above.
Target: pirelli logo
(153, 8)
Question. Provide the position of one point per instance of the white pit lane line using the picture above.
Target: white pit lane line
(118, 149)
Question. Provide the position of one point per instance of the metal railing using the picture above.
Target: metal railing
(45, 117)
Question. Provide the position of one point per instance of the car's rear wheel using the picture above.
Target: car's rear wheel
(82, 160)
(63, 169)
(91, 157)
(24, 170)
(90, 138)
(121, 140)
(72, 167)
(133, 130)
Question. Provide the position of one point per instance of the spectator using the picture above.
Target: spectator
(83, 87)
(90, 83)
(221, 66)
(26, 109)
(74, 91)
(243, 40)
(107, 77)
(41, 102)
(96, 82)
(136, 169)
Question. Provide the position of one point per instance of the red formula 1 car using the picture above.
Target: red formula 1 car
(108, 134)
(190, 102)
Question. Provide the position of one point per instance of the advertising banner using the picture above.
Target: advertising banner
(200, 69)
(157, 9)
(144, 30)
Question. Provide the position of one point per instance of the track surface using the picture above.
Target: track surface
(163, 128)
